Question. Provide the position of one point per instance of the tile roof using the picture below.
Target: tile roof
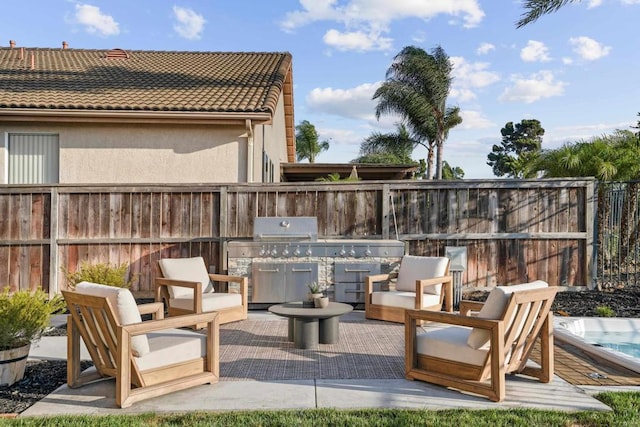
(146, 80)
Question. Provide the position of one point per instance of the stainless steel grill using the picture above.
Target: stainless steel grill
(286, 254)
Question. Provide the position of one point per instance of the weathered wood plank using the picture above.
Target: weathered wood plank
(513, 230)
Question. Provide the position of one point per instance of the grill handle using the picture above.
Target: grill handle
(357, 270)
(264, 270)
(301, 270)
(285, 236)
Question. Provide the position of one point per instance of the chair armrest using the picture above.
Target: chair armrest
(447, 289)
(154, 308)
(243, 281)
(187, 320)
(161, 281)
(226, 278)
(450, 319)
(370, 280)
(467, 306)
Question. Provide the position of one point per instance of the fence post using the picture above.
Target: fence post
(222, 226)
(54, 256)
(590, 218)
(386, 194)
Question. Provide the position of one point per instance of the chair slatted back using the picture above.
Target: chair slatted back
(527, 311)
(94, 318)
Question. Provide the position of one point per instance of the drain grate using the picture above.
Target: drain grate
(597, 375)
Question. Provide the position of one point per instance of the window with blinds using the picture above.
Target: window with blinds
(33, 158)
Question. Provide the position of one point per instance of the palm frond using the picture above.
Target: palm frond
(534, 9)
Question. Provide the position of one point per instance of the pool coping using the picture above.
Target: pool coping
(568, 329)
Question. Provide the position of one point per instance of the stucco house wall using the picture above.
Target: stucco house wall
(120, 154)
(156, 128)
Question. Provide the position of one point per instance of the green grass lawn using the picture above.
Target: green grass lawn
(626, 412)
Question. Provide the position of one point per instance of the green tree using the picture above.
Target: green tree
(534, 9)
(637, 127)
(518, 151)
(451, 172)
(416, 87)
(609, 158)
(307, 144)
(388, 148)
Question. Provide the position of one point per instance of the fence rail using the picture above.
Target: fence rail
(514, 230)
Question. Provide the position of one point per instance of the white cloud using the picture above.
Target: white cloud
(538, 86)
(593, 3)
(567, 61)
(535, 51)
(353, 103)
(485, 48)
(375, 16)
(357, 40)
(468, 76)
(588, 48)
(190, 24)
(472, 119)
(95, 21)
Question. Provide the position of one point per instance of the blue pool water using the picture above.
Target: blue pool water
(627, 342)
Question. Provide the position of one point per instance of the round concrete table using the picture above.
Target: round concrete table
(310, 326)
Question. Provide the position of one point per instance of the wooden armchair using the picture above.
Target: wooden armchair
(187, 287)
(147, 359)
(476, 352)
(423, 283)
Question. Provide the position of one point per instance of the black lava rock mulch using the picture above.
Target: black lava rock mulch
(41, 377)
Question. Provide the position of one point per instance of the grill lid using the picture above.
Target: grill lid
(285, 228)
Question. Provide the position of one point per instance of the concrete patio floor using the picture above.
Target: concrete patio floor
(99, 398)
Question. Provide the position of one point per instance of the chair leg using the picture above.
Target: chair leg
(73, 353)
(123, 370)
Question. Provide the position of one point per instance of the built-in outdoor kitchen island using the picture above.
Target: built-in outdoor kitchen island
(286, 254)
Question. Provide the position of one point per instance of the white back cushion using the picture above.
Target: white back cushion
(414, 268)
(189, 270)
(126, 310)
(494, 307)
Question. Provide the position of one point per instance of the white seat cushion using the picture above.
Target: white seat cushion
(494, 307)
(189, 270)
(126, 310)
(403, 299)
(450, 343)
(172, 346)
(210, 302)
(413, 268)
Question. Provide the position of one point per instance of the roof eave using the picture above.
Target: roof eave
(133, 116)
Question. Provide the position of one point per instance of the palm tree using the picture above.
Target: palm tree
(307, 144)
(416, 87)
(536, 8)
(388, 147)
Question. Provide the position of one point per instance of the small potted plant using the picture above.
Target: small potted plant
(24, 316)
(314, 292)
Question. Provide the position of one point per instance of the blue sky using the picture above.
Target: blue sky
(577, 70)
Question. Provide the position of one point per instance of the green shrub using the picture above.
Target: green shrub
(105, 274)
(605, 311)
(25, 315)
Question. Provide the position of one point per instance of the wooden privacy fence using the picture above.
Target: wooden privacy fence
(514, 230)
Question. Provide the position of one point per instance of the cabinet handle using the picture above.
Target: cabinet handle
(356, 270)
(301, 270)
(268, 271)
(353, 291)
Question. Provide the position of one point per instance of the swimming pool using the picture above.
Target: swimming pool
(612, 338)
